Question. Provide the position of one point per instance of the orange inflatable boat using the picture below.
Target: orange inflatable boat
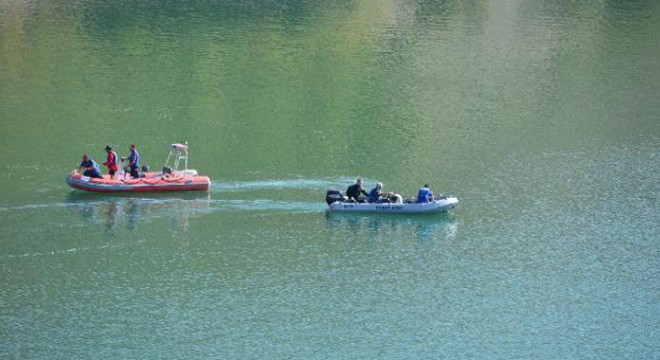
(171, 179)
(176, 181)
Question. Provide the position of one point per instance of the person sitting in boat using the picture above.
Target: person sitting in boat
(90, 168)
(354, 191)
(378, 195)
(425, 194)
(133, 162)
(112, 161)
(167, 172)
(145, 170)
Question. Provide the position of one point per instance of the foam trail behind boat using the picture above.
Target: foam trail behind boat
(268, 205)
(320, 184)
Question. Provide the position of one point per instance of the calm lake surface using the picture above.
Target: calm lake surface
(541, 116)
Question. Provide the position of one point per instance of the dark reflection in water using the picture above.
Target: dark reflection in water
(375, 226)
(129, 211)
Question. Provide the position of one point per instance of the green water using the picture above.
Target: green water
(542, 117)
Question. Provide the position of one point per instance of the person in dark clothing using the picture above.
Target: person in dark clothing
(354, 191)
(89, 167)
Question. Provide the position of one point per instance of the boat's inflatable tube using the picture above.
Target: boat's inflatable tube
(151, 183)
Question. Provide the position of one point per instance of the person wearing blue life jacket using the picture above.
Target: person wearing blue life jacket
(425, 194)
(133, 162)
(377, 194)
(90, 168)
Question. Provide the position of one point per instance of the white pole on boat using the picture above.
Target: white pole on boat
(186, 153)
(167, 162)
(120, 173)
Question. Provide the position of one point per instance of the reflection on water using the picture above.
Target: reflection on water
(375, 226)
(129, 211)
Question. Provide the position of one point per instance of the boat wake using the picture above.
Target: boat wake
(316, 184)
(267, 195)
(185, 205)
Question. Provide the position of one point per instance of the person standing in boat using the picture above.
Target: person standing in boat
(354, 191)
(112, 161)
(377, 194)
(89, 167)
(133, 162)
(425, 194)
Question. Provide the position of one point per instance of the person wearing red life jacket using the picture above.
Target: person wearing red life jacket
(112, 162)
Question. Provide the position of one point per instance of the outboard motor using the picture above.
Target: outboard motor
(333, 196)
